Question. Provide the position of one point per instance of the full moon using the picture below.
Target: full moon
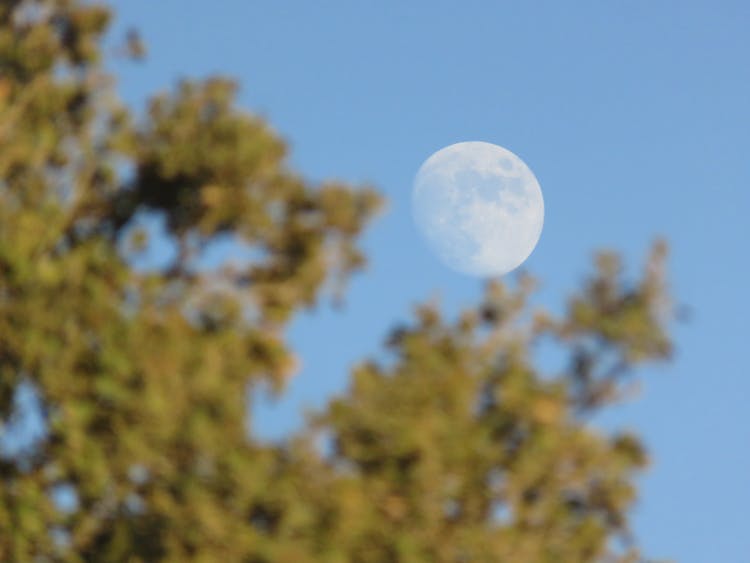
(479, 207)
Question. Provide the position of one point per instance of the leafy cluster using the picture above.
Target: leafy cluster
(457, 448)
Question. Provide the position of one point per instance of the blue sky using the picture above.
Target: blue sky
(634, 117)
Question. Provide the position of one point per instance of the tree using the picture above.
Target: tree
(464, 450)
(456, 448)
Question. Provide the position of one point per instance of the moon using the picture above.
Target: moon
(479, 207)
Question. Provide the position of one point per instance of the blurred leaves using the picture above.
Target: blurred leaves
(457, 449)
(463, 427)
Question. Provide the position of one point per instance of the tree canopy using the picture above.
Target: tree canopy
(455, 446)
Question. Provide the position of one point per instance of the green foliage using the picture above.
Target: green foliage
(463, 450)
(458, 448)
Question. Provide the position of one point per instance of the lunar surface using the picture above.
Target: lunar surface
(479, 207)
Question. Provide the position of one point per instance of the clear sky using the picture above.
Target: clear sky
(635, 118)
